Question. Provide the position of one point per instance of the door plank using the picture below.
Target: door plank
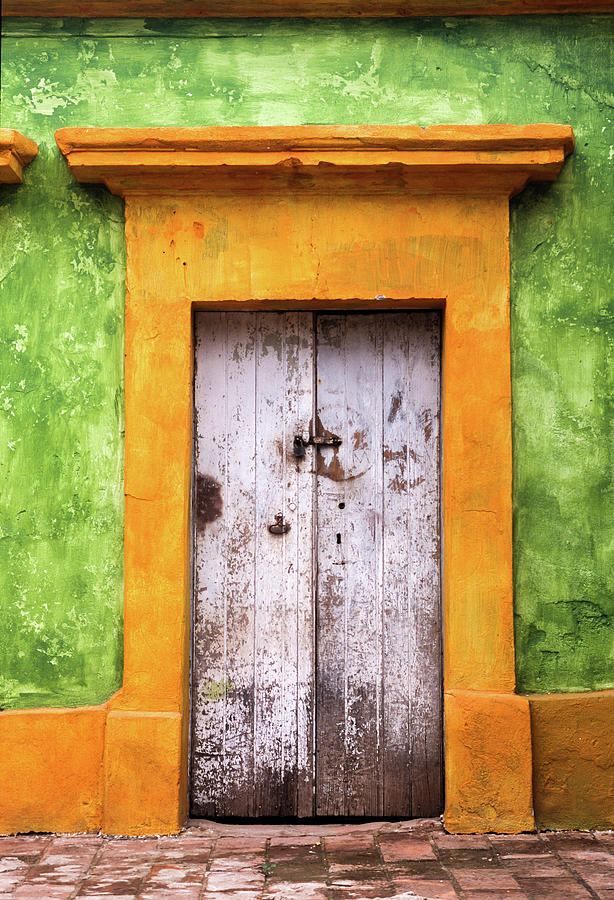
(208, 628)
(283, 583)
(425, 648)
(225, 549)
(411, 610)
(349, 402)
(397, 527)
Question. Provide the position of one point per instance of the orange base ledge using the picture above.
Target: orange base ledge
(73, 770)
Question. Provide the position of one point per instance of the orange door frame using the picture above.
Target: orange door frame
(303, 217)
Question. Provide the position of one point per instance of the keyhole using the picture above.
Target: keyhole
(338, 538)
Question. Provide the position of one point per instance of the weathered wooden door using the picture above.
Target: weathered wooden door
(316, 680)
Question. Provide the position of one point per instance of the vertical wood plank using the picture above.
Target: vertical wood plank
(412, 619)
(208, 627)
(301, 404)
(349, 402)
(396, 603)
(225, 558)
(331, 645)
(283, 584)
(425, 647)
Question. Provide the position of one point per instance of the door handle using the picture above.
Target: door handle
(316, 440)
(280, 527)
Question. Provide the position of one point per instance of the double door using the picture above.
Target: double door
(316, 672)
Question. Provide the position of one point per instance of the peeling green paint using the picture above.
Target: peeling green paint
(216, 690)
(62, 270)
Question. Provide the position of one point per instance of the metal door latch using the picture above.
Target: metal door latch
(280, 527)
(316, 440)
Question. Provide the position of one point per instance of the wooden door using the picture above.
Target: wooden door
(316, 683)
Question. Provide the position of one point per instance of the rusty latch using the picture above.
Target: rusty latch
(280, 527)
(316, 440)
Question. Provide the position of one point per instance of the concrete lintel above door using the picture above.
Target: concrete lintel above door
(477, 159)
(16, 151)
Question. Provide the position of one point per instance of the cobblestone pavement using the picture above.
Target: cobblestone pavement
(400, 860)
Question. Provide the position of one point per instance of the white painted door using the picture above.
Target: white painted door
(316, 686)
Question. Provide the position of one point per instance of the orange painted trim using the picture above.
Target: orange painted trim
(573, 763)
(479, 159)
(488, 763)
(231, 241)
(312, 8)
(51, 775)
(16, 151)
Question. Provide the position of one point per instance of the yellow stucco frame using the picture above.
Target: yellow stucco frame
(305, 217)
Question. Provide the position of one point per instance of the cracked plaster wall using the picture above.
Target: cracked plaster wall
(61, 283)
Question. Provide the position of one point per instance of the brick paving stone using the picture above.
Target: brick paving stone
(594, 853)
(348, 842)
(125, 884)
(426, 869)
(55, 874)
(363, 890)
(553, 889)
(439, 888)
(302, 864)
(48, 892)
(469, 859)
(299, 840)
(163, 893)
(24, 845)
(186, 845)
(345, 870)
(599, 882)
(536, 867)
(494, 895)
(284, 890)
(286, 852)
(228, 881)
(173, 875)
(461, 842)
(570, 840)
(518, 844)
(400, 846)
(233, 846)
(107, 896)
(607, 837)
(485, 879)
(9, 882)
(237, 864)
(232, 895)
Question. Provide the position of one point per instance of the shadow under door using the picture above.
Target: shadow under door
(316, 674)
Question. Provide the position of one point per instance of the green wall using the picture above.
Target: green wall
(62, 269)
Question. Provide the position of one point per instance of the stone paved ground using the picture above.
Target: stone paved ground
(306, 862)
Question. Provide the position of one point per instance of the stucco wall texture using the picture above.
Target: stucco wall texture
(61, 309)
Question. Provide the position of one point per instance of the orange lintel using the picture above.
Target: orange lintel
(313, 8)
(16, 151)
(495, 159)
